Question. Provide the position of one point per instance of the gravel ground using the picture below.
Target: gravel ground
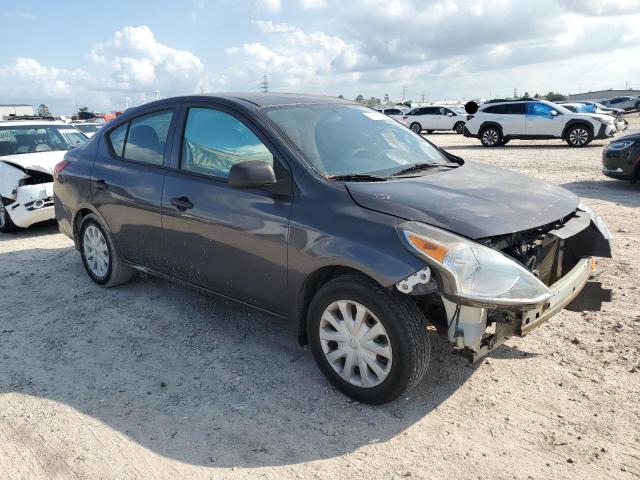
(151, 380)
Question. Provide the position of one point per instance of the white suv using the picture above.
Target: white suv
(435, 117)
(495, 123)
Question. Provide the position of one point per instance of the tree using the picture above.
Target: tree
(43, 110)
(360, 99)
(526, 94)
(386, 98)
(83, 109)
(340, 96)
(555, 96)
(373, 102)
(537, 95)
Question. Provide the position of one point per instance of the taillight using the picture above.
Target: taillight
(59, 168)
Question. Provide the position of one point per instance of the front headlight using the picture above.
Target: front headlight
(620, 145)
(471, 273)
(596, 219)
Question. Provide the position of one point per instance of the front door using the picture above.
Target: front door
(127, 181)
(540, 120)
(229, 240)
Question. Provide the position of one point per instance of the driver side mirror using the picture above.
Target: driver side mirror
(251, 174)
(554, 113)
(450, 114)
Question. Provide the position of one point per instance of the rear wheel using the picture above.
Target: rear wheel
(491, 137)
(6, 224)
(371, 343)
(458, 127)
(415, 127)
(99, 255)
(578, 136)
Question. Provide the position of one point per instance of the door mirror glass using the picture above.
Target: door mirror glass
(251, 174)
(553, 113)
(450, 114)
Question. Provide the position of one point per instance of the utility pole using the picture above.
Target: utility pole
(264, 85)
(515, 93)
(127, 103)
(157, 94)
(404, 92)
(422, 97)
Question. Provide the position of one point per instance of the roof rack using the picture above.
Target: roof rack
(11, 117)
(506, 100)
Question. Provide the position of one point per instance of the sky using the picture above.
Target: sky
(97, 54)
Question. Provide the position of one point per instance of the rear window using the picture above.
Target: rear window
(506, 109)
(142, 139)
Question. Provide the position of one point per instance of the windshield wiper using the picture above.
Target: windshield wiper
(357, 177)
(423, 166)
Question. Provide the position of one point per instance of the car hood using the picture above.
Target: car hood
(473, 200)
(631, 136)
(39, 161)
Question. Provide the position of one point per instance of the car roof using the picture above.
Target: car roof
(43, 123)
(263, 99)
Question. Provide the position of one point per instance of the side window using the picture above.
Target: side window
(214, 141)
(443, 111)
(498, 109)
(539, 109)
(147, 138)
(514, 108)
(117, 138)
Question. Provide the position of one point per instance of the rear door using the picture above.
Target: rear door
(229, 240)
(511, 117)
(127, 181)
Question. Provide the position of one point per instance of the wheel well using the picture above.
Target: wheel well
(484, 126)
(576, 124)
(77, 223)
(312, 284)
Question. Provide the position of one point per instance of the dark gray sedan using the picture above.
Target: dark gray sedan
(345, 223)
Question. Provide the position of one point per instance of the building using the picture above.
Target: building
(604, 94)
(15, 109)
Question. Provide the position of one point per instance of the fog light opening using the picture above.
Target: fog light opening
(38, 204)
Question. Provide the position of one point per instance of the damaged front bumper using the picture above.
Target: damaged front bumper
(31, 204)
(475, 330)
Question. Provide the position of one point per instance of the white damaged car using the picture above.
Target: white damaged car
(29, 151)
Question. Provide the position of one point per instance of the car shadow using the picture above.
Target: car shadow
(190, 377)
(38, 230)
(521, 147)
(611, 190)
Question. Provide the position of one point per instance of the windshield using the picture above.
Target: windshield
(351, 140)
(559, 108)
(18, 139)
(87, 127)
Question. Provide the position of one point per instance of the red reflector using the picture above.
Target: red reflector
(59, 168)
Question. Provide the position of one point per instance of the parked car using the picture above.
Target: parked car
(29, 150)
(600, 108)
(621, 158)
(355, 229)
(88, 128)
(435, 117)
(495, 123)
(626, 103)
(394, 112)
(590, 108)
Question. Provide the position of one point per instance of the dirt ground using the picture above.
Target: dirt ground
(151, 380)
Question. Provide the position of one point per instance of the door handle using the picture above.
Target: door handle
(101, 184)
(181, 203)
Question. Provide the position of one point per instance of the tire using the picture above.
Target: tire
(415, 127)
(578, 136)
(458, 127)
(505, 141)
(96, 244)
(491, 137)
(403, 339)
(6, 224)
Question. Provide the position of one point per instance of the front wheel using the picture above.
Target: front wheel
(371, 343)
(458, 127)
(6, 224)
(416, 127)
(100, 256)
(579, 136)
